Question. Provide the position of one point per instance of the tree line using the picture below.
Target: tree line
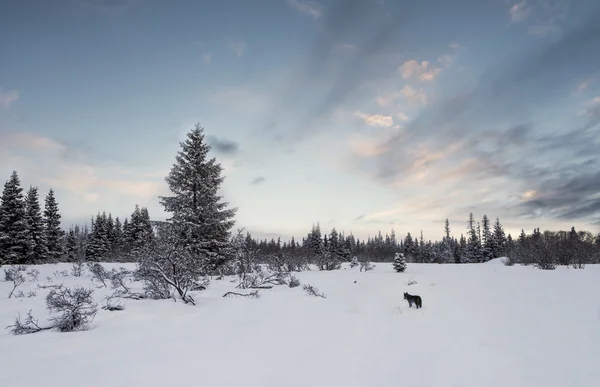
(29, 235)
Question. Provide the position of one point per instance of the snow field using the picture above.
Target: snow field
(480, 325)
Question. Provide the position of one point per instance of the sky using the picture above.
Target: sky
(363, 115)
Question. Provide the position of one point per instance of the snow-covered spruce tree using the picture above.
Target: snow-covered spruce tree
(14, 236)
(198, 212)
(38, 249)
(54, 234)
(399, 263)
(98, 245)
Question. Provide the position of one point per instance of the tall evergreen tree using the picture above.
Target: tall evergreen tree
(499, 240)
(38, 248)
(200, 217)
(486, 239)
(54, 234)
(473, 251)
(14, 235)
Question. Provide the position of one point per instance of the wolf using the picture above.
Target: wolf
(411, 299)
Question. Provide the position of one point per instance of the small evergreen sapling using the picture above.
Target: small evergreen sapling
(399, 263)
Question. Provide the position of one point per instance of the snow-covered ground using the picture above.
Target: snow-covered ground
(480, 325)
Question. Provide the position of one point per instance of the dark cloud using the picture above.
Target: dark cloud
(222, 145)
(360, 217)
(258, 180)
(569, 195)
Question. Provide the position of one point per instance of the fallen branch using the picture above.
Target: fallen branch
(253, 294)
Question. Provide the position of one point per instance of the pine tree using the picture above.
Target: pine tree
(14, 235)
(38, 248)
(72, 253)
(98, 245)
(54, 234)
(473, 251)
(202, 219)
(447, 228)
(487, 247)
(499, 240)
(399, 263)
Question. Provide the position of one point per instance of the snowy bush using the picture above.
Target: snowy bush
(399, 263)
(62, 273)
(507, 261)
(77, 269)
(13, 271)
(99, 273)
(294, 282)
(14, 274)
(165, 264)
(120, 279)
(33, 273)
(326, 261)
(312, 291)
(263, 279)
(354, 262)
(112, 302)
(27, 326)
(21, 294)
(76, 307)
(366, 266)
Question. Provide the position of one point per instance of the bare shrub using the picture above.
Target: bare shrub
(29, 325)
(62, 273)
(14, 274)
(120, 279)
(166, 264)
(12, 271)
(411, 282)
(77, 269)
(294, 282)
(312, 291)
(99, 273)
(263, 279)
(33, 273)
(113, 303)
(21, 294)
(76, 307)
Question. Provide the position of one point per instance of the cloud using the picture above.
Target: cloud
(85, 183)
(375, 31)
(258, 180)
(545, 17)
(307, 7)
(519, 11)
(367, 146)
(377, 120)
(222, 145)
(207, 58)
(501, 147)
(83, 186)
(238, 47)
(422, 71)
(8, 98)
(592, 111)
(414, 96)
